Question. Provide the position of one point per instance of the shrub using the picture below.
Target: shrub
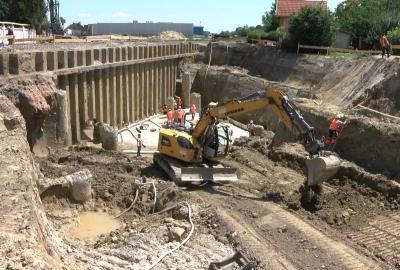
(394, 35)
(311, 26)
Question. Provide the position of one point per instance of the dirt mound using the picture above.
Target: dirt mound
(169, 35)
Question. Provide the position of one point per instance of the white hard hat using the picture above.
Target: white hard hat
(251, 121)
(339, 115)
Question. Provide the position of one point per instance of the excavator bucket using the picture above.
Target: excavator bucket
(321, 169)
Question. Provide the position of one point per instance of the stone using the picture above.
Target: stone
(175, 234)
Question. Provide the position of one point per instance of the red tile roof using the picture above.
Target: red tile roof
(285, 8)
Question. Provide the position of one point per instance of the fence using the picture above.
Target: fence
(331, 49)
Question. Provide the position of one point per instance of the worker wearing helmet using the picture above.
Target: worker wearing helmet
(335, 127)
(251, 128)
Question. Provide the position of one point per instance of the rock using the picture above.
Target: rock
(175, 234)
(180, 213)
(168, 220)
(114, 239)
(254, 215)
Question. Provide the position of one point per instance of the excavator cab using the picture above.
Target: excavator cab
(216, 142)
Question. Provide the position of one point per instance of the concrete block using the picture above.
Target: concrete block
(195, 98)
(186, 89)
(176, 234)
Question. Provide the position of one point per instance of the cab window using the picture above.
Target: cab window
(165, 141)
(184, 143)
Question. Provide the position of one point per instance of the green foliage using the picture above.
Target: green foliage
(31, 12)
(311, 26)
(269, 19)
(394, 35)
(271, 35)
(368, 19)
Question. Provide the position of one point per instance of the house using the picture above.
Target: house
(285, 8)
(75, 29)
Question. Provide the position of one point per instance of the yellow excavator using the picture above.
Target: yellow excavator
(192, 154)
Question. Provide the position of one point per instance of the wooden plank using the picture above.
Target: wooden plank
(337, 49)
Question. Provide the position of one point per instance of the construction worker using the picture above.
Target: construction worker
(385, 46)
(175, 105)
(180, 115)
(165, 108)
(335, 127)
(179, 102)
(193, 111)
(251, 128)
(170, 117)
(139, 144)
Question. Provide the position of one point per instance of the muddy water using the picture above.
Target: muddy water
(92, 224)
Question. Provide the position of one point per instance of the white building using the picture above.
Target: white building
(139, 29)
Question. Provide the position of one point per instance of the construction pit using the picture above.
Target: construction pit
(136, 218)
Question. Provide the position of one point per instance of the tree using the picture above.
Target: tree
(311, 26)
(269, 19)
(367, 19)
(31, 12)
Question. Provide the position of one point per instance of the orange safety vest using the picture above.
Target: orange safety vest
(383, 42)
(170, 115)
(180, 114)
(193, 109)
(335, 124)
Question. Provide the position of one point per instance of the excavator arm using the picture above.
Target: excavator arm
(319, 168)
(271, 98)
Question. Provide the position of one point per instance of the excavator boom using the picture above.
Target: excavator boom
(211, 142)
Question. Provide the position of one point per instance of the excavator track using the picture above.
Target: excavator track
(182, 173)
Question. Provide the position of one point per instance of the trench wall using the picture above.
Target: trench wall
(369, 143)
(114, 85)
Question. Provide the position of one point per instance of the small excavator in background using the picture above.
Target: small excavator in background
(192, 154)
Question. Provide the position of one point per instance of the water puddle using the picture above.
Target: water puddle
(93, 224)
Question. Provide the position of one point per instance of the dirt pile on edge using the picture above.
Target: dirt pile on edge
(338, 81)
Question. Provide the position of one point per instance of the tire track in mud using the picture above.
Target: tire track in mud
(381, 236)
(271, 252)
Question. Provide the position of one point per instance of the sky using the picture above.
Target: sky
(214, 15)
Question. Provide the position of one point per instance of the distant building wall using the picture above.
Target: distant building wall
(198, 30)
(140, 29)
(342, 40)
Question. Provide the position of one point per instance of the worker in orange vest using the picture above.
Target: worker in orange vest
(180, 116)
(193, 111)
(335, 127)
(385, 46)
(139, 144)
(170, 117)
